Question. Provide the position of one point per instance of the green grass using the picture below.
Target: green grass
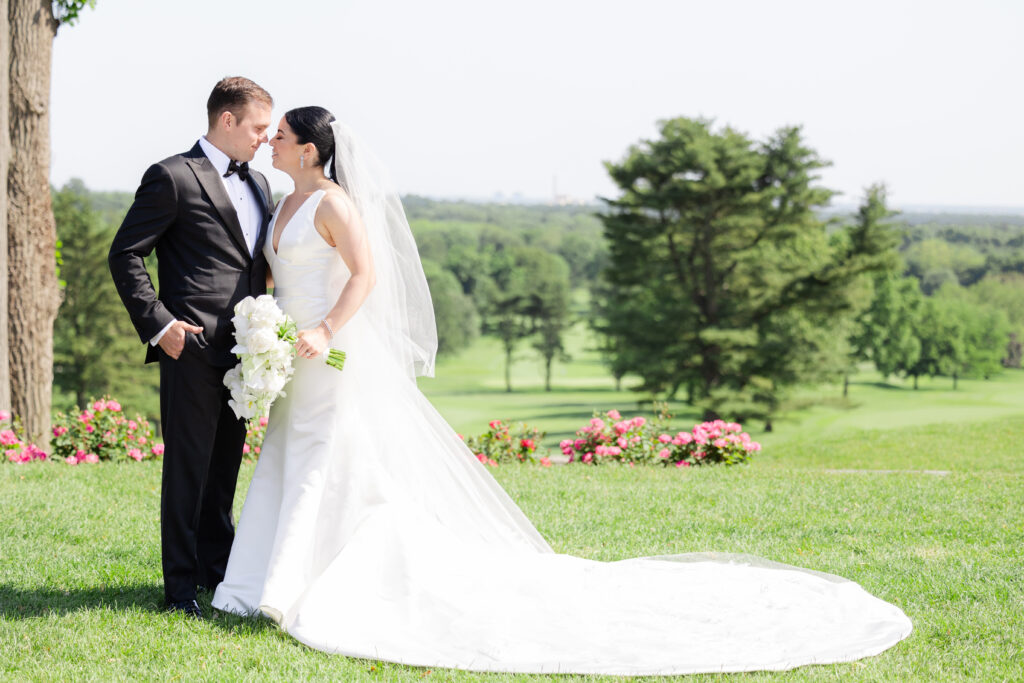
(80, 571)
(914, 494)
(469, 390)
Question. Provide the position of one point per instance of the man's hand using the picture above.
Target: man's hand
(173, 341)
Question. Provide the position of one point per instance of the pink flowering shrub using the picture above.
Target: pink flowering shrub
(102, 432)
(255, 430)
(505, 442)
(639, 441)
(15, 448)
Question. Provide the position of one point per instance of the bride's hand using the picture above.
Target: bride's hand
(312, 342)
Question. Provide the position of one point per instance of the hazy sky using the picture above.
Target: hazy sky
(468, 99)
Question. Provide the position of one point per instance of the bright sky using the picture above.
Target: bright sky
(471, 98)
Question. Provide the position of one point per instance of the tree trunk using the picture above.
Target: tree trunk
(618, 382)
(955, 378)
(508, 368)
(547, 373)
(5, 155)
(32, 278)
(915, 381)
(846, 384)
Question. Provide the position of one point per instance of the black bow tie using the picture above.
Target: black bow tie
(241, 168)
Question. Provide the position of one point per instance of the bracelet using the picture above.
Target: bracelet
(328, 326)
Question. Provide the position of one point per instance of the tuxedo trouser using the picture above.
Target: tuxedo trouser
(203, 443)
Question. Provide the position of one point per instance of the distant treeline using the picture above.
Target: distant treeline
(521, 273)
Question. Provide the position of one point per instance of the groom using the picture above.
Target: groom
(206, 214)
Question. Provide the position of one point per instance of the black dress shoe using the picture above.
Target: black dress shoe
(190, 608)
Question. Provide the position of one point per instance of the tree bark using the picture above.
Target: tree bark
(32, 279)
(5, 155)
(508, 367)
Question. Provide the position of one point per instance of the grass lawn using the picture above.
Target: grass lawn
(80, 583)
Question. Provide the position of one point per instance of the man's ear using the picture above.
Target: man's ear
(228, 119)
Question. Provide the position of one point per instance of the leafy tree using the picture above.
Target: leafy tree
(95, 349)
(715, 249)
(457, 321)
(33, 294)
(887, 331)
(550, 284)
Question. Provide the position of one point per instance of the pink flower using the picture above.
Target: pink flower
(80, 454)
(664, 453)
(720, 443)
(565, 443)
(597, 423)
(157, 449)
(71, 460)
(5, 415)
(698, 454)
(526, 443)
(8, 438)
(132, 425)
(623, 443)
(107, 436)
(588, 457)
(613, 450)
(461, 437)
(632, 465)
(601, 450)
(614, 415)
(92, 458)
(700, 439)
(494, 424)
(257, 449)
(245, 448)
(492, 462)
(622, 427)
(60, 431)
(90, 428)
(99, 406)
(733, 427)
(682, 463)
(580, 443)
(664, 438)
(635, 439)
(142, 440)
(572, 457)
(135, 454)
(481, 457)
(85, 416)
(745, 438)
(114, 406)
(263, 421)
(545, 461)
(639, 421)
(682, 438)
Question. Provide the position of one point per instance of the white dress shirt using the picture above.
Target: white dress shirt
(243, 198)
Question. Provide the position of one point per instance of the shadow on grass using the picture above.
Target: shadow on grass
(20, 603)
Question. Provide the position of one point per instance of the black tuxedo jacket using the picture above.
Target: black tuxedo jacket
(204, 268)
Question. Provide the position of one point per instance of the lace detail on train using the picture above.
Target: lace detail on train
(370, 530)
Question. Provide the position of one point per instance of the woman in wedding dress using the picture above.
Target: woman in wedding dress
(370, 530)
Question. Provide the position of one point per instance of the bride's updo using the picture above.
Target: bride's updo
(313, 124)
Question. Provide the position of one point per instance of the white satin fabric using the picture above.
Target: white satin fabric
(370, 530)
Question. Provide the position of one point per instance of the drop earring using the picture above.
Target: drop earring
(302, 161)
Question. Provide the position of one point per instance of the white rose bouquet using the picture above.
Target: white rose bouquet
(265, 344)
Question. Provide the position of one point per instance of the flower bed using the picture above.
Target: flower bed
(638, 441)
(102, 432)
(505, 442)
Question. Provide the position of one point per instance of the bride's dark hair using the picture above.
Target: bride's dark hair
(313, 124)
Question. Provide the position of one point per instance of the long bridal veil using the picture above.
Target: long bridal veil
(371, 530)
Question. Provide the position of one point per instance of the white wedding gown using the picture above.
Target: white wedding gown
(370, 530)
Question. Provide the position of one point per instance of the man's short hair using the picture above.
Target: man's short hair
(233, 94)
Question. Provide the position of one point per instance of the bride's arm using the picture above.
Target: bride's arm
(338, 217)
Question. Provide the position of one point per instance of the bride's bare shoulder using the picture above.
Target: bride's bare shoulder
(336, 207)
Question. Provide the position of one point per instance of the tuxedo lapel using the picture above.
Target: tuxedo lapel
(264, 201)
(208, 177)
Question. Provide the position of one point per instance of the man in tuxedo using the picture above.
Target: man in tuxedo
(206, 214)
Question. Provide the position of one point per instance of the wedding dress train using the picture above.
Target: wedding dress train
(370, 530)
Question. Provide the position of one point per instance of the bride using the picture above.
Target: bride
(370, 530)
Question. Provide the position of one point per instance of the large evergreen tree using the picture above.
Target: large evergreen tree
(718, 260)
